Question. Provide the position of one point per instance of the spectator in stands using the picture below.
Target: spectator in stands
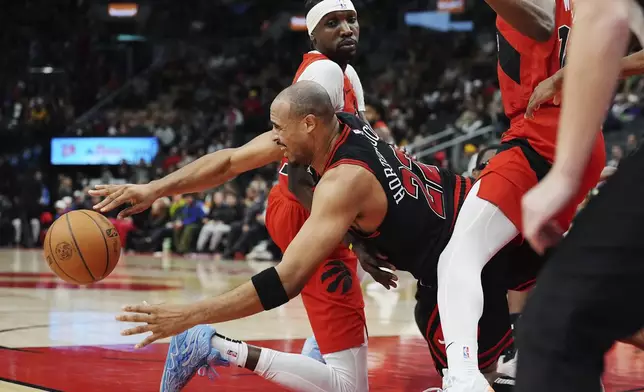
(243, 237)
(38, 116)
(375, 114)
(616, 155)
(224, 212)
(6, 227)
(141, 173)
(65, 187)
(187, 223)
(631, 144)
(149, 237)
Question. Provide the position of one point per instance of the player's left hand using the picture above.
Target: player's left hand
(545, 91)
(539, 207)
(162, 320)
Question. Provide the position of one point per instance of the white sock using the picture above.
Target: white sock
(234, 351)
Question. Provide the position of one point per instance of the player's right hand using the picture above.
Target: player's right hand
(373, 266)
(385, 278)
(545, 91)
(140, 198)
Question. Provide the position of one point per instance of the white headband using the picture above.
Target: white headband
(324, 8)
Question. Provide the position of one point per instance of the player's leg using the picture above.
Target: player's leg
(202, 348)
(488, 220)
(523, 267)
(584, 299)
(494, 331)
(481, 230)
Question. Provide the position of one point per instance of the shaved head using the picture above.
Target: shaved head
(304, 121)
(307, 97)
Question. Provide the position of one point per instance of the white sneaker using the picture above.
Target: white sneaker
(473, 383)
(508, 362)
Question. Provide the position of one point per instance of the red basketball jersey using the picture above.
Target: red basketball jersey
(523, 64)
(350, 106)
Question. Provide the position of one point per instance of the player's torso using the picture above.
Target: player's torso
(523, 64)
(420, 199)
(350, 106)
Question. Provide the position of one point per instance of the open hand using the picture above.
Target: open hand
(162, 320)
(140, 197)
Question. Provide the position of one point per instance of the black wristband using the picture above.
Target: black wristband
(270, 289)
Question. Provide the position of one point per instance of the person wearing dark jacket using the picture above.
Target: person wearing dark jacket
(222, 214)
(244, 235)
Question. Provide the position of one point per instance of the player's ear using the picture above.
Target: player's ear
(310, 121)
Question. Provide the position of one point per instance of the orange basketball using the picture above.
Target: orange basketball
(82, 247)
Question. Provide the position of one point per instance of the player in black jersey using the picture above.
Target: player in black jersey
(350, 194)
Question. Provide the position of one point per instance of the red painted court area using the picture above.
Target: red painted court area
(395, 365)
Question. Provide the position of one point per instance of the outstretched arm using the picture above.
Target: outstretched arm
(205, 173)
(335, 207)
(550, 88)
(220, 166)
(533, 18)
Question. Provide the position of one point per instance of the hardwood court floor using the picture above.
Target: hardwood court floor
(58, 337)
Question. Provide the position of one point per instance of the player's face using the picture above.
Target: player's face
(337, 34)
(371, 114)
(291, 134)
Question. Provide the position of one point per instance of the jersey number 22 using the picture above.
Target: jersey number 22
(430, 187)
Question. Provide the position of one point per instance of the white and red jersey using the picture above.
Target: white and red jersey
(344, 89)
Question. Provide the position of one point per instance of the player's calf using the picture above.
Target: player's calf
(201, 348)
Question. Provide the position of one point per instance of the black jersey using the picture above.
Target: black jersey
(422, 199)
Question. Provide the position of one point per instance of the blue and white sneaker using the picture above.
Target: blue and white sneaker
(312, 350)
(189, 353)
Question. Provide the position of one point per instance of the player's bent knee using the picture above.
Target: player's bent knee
(349, 370)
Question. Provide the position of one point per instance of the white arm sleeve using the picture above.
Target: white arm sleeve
(357, 87)
(329, 75)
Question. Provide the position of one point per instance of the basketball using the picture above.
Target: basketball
(82, 247)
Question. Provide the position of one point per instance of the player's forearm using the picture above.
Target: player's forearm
(235, 304)
(533, 18)
(631, 65)
(204, 173)
(599, 38)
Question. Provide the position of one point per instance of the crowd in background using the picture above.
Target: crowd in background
(198, 100)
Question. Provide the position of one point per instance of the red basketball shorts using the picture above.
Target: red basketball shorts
(333, 297)
(511, 173)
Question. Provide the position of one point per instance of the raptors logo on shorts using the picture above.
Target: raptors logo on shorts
(338, 276)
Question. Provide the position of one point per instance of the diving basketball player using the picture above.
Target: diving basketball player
(532, 40)
(395, 205)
